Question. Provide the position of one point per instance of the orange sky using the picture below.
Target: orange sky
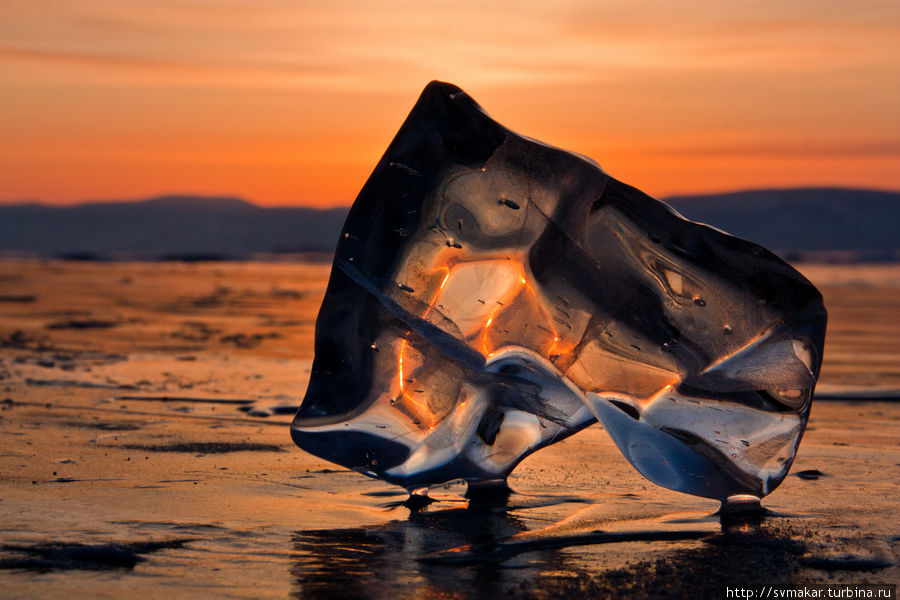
(293, 102)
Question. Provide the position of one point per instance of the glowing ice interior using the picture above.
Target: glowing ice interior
(491, 295)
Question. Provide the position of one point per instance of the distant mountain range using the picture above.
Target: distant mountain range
(183, 227)
(835, 224)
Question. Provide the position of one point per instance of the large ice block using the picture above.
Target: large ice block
(491, 295)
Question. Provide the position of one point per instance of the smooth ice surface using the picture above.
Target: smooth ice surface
(491, 295)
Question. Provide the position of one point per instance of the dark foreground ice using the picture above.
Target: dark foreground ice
(491, 295)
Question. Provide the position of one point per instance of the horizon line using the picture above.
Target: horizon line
(257, 204)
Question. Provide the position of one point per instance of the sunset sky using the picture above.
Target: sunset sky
(293, 102)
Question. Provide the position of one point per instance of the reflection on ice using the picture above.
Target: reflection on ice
(492, 295)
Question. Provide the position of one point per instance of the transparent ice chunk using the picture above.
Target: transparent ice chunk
(491, 295)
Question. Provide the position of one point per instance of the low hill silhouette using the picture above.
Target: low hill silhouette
(837, 224)
(168, 226)
(805, 223)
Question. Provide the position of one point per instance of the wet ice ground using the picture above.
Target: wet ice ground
(129, 469)
(214, 506)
